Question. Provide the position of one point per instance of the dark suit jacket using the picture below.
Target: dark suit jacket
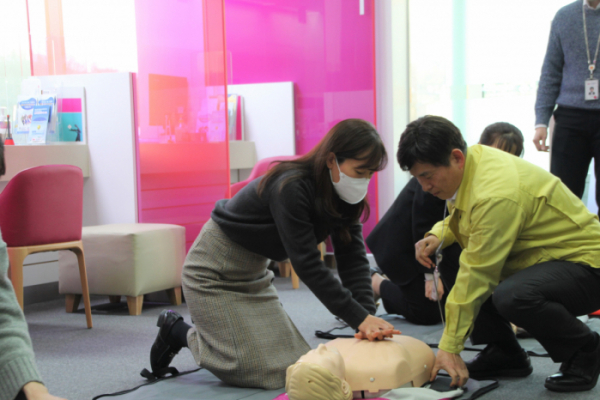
(393, 239)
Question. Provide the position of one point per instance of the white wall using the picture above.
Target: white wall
(110, 194)
(392, 71)
(268, 117)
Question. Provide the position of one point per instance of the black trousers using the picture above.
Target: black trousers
(575, 141)
(544, 299)
(409, 299)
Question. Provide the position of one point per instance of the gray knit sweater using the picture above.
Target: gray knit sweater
(565, 66)
(17, 364)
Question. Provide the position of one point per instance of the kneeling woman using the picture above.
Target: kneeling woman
(242, 333)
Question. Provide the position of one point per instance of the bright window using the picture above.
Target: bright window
(477, 62)
(14, 52)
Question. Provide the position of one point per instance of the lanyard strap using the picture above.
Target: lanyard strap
(591, 66)
(436, 272)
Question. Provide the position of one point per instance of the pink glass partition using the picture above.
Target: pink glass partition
(326, 47)
(176, 50)
(181, 92)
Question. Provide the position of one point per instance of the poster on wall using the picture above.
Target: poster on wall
(234, 116)
(216, 127)
(39, 125)
(49, 100)
(25, 105)
(71, 114)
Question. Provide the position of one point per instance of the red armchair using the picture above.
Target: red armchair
(41, 209)
(260, 168)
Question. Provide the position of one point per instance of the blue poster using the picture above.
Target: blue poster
(39, 125)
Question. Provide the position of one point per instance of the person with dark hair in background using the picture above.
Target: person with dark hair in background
(19, 377)
(531, 256)
(407, 287)
(503, 136)
(569, 82)
(242, 333)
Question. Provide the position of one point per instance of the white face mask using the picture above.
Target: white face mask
(351, 190)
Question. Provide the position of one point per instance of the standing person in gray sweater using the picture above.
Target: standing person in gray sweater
(570, 80)
(18, 372)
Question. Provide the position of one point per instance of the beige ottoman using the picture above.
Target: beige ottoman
(126, 260)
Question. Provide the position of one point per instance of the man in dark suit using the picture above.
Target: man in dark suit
(392, 243)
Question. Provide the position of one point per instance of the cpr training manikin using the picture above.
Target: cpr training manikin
(345, 369)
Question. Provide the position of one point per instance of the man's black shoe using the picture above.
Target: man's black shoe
(493, 362)
(578, 374)
(163, 350)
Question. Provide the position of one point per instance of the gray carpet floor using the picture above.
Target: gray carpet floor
(77, 363)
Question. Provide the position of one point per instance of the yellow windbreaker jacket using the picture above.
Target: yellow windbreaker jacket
(508, 215)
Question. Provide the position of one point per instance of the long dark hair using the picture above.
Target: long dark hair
(349, 139)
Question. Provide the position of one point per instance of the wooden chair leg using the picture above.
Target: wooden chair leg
(135, 304)
(323, 247)
(72, 302)
(174, 296)
(284, 269)
(16, 257)
(295, 279)
(114, 299)
(84, 283)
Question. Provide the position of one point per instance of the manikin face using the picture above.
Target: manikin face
(441, 181)
(328, 358)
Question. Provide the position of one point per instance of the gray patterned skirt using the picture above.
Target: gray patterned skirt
(242, 333)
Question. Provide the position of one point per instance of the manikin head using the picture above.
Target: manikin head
(318, 375)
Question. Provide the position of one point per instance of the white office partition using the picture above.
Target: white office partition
(110, 193)
(268, 115)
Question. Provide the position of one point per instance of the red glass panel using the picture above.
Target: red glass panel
(181, 92)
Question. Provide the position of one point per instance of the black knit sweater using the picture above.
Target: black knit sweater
(282, 224)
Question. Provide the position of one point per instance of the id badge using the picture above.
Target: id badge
(591, 89)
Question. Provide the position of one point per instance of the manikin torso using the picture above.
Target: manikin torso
(379, 366)
(373, 368)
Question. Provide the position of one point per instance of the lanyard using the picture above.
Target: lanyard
(591, 66)
(436, 272)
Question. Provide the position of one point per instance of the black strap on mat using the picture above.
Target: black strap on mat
(331, 336)
(153, 378)
(473, 389)
(529, 352)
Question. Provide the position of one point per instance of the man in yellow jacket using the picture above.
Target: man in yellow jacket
(531, 256)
